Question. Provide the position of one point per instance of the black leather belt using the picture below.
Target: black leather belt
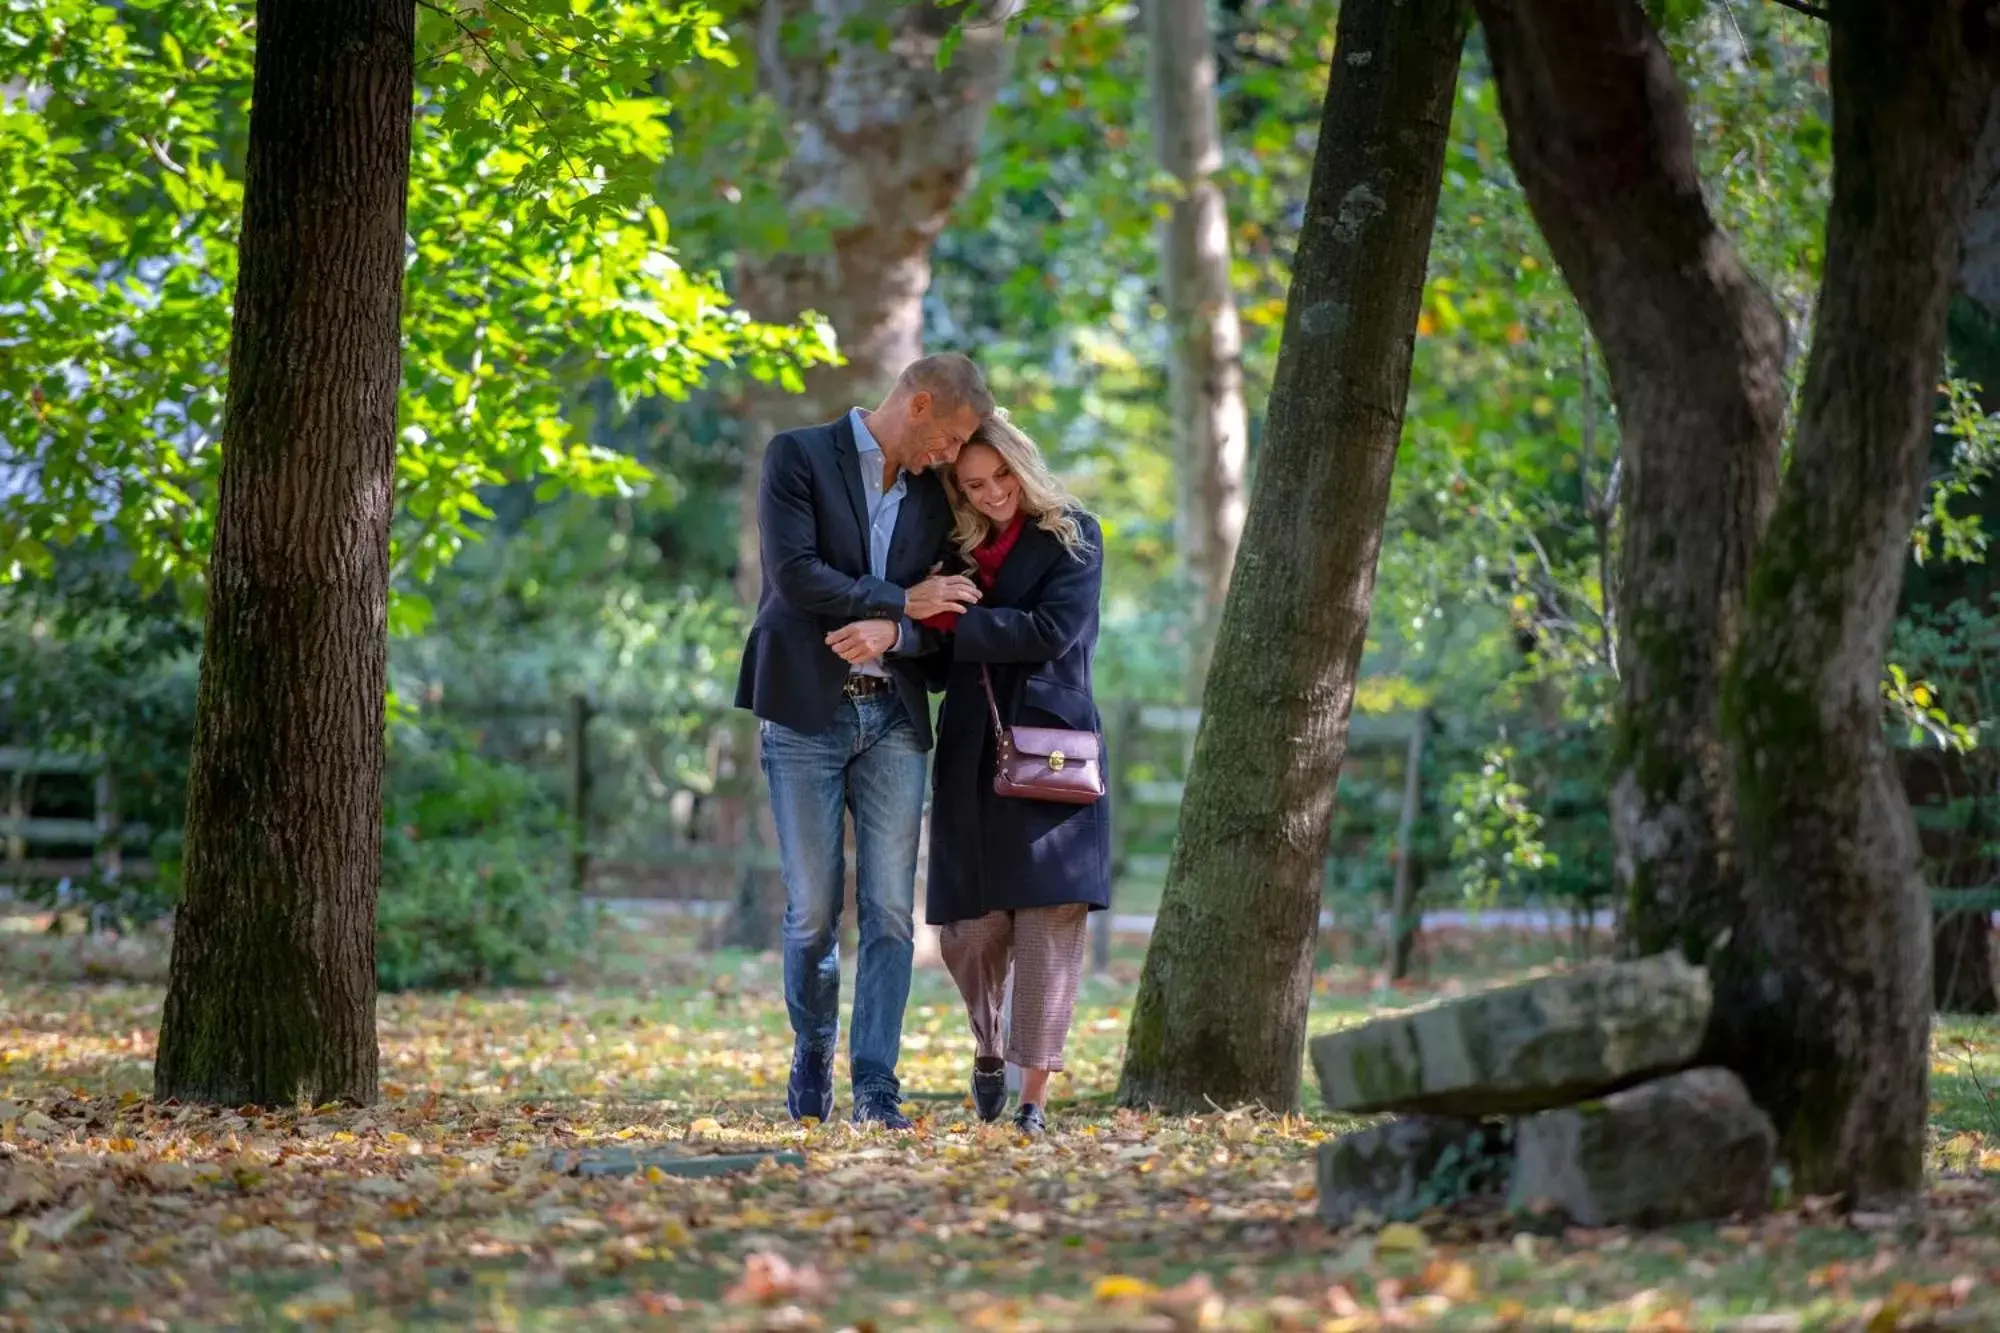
(860, 686)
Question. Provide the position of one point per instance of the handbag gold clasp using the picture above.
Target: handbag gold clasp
(1056, 761)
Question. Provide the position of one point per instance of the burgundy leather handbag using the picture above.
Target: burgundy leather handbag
(1044, 763)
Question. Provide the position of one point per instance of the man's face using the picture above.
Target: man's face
(936, 436)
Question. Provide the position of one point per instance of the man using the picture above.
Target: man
(851, 521)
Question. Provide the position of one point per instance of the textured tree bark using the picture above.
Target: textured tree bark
(883, 144)
(1221, 1009)
(1205, 351)
(271, 995)
(1979, 258)
(1598, 131)
(1838, 914)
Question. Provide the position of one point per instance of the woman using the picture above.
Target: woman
(1013, 880)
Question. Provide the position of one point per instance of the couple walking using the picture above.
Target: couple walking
(924, 547)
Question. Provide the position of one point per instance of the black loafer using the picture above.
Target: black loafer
(1030, 1121)
(989, 1093)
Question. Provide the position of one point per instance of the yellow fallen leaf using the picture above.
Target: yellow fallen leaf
(54, 1226)
(1119, 1287)
(705, 1125)
(1455, 1281)
(325, 1302)
(18, 1242)
(367, 1239)
(655, 1176)
(1401, 1237)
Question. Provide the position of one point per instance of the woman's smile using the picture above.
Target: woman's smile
(988, 483)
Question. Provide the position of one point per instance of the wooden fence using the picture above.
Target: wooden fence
(717, 833)
(65, 847)
(697, 837)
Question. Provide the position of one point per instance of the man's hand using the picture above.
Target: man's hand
(863, 641)
(940, 593)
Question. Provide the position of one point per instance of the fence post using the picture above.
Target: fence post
(579, 791)
(110, 826)
(17, 816)
(1124, 725)
(1402, 928)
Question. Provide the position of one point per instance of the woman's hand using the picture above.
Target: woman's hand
(940, 593)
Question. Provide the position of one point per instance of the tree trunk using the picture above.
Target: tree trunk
(271, 995)
(882, 145)
(1598, 132)
(1962, 963)
(1205, 352)
(1221, 1010)
(1979, 259)
(1840, 922)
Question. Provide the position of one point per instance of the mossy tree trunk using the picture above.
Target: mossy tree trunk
(1221, 1009)
(1761, 826)
(1840, 930)
(271, 994)
(1598, 131)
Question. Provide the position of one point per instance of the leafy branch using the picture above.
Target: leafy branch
(1811, 11)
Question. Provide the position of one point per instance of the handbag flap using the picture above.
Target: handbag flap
(1081, 746)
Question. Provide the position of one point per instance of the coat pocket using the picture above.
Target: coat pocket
(1047, 702)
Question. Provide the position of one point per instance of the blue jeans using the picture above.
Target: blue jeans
(868, 762)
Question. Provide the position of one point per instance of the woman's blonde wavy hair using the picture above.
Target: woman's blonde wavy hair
(1044, 499)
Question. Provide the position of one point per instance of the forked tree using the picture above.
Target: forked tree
(1761, 824)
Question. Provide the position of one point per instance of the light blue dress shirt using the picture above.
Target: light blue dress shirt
(883, 507)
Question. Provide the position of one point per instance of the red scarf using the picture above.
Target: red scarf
(987, 558)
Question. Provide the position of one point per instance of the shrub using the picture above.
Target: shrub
(462, 912)
(474, 885)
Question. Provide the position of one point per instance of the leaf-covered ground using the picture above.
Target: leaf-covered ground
(438, 1206)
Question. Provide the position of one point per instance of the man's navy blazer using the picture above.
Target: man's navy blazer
(812, 525)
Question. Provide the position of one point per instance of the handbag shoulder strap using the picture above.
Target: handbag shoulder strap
(992, 703)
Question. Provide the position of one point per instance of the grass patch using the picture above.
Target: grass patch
(437, 1208)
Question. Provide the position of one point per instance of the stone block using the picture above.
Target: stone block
(1526, 1047)
(1686, 1148)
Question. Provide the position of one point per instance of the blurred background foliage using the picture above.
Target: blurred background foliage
(573, 447)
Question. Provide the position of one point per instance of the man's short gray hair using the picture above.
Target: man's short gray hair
(951, 379)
